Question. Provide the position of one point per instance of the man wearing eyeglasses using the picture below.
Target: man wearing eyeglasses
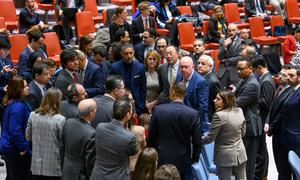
(148, 44)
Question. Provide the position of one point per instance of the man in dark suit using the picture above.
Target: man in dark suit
(273, 126)
(148, 44)
(141, 23)
(199, 49)
(114, 88)
(61, 5)
(78, 141)
(36, 40)
(205, 68)
(161, 45)
(91, 75)
(38, 87)
(114, 144)
(229, 50)
(255, 8)
(267, 93)
(99, 55)
(76, 93)
(168, 73)
(134, 76)
(196, 95)
(173, 128)
(28, 18)
(68, 75)
(248, 94)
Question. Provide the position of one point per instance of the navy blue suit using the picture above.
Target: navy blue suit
(28, 19)
(138, 82)
(290, 136)
(139, 50)
(93, 80)
(35, 96)
(4, 77)
(173, 128)
(196, 97)
(24, 65)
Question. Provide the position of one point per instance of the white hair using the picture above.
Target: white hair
(208, 58)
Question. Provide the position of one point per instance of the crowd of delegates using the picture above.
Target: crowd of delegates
(111, 111)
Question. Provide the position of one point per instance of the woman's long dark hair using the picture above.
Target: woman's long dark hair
(15, 89)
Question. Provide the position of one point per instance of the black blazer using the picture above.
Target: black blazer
(104, 113)
(212, 34)
(137, 27)
(250, 8)
(139, 52)
(35, 96)
(173, 127)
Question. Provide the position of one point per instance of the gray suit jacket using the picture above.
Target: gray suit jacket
(114, 145)
(79, 149)
(104, 110)
(267, 94)
(248, 94)
(227, 129)
(229, 58)
(68, 109)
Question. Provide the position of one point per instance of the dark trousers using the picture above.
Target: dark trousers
(66, 26)
(251, 145)
(262, 159)
(280, 153)
(227, 80)
(17, 166)
(173, 33)
(37, 177)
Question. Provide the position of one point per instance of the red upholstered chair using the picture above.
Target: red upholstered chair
(208, 45)
(84, 24)
(214, 55)
(8, 11)
(159, 31)
(257, 31)
(232, 15)
(277, 21)
(292, 11)
(186, 36)
(18, 44)
(91, 5)
(53, 47)
(2, 23)
(185, 10)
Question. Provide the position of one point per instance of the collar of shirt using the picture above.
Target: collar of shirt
(264, 74)
(190, 76)
(69, 72)
(144, 18)
(84, 67)
(40, 86)
(297, 87)
(110, 96)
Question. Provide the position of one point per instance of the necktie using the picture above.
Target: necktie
(279, 91)
(162, 59)
(171, 75)
(185, 82)
(75, 79)
(146, 24)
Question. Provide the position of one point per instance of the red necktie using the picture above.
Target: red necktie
(75, 77)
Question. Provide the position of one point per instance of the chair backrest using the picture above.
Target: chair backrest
(2, 23)
(294, 161)
(8, 10)
(292, 8)
(208, 155)
(84, 23)
(214, 55)
(257, 28)
(199, 169)
(186, 33)
(205, 27)
(18, 44)
(232, 12)
(276, 21)
(90, 5)
(104, 15)
(52, 44)
(185, 10)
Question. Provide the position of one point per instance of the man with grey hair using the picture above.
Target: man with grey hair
(205, 68)
(91, 75)
(78, 142)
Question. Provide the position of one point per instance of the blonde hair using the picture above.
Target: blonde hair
(155, 56)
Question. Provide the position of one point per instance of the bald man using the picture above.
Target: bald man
(229, 51)
(196, 95)
(79, 143)
(205, 68)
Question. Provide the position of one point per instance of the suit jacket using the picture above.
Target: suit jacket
(267, 93)
(139, 52)
(137, 27)
(138, 82)
(104, 110)
(63, 80)
(28, 19)
(290, 136)
(78, 142)
(45, 132)
(274, 118)
(196, 97)
(229, 57)
(69, 109)
(4, 77)
(288, 46)
(227, 129)
(24, 65)
(114, 145)
(248, 94)
(93, 81)
(172, 126)
(250, 7)
(213, 34)
(63, 3)
(35, 96)
(213, 89)
(163, 81)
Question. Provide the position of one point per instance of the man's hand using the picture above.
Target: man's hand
(227, 42)
(60, 12)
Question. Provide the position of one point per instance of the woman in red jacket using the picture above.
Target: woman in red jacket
(291, 48)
